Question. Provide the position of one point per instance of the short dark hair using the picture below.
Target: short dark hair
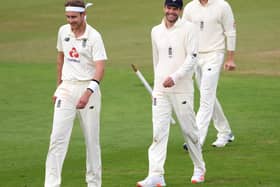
(77, 3)
(174, 3)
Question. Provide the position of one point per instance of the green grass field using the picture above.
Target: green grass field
(250, 97)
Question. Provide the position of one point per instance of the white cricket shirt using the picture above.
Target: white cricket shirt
(171, 48)
(80, 53)
(215, 22)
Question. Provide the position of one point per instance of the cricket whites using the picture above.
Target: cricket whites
(146, 84)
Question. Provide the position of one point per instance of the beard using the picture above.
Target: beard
(172, 18)
(76, 25)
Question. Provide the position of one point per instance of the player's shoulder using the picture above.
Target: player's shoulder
(223, 3)
(191, 4)
(92, 31)
(65, 28)
(191, 8)
(156, 28)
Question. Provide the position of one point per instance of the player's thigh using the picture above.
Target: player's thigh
(90, 116)
(161, 112)
(211, 72)
(62, 123)
(183, 107)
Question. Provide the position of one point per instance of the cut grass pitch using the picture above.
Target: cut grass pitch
(250, 102)
(250, 97)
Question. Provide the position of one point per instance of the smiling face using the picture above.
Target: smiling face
(171, 13)
(75, 19)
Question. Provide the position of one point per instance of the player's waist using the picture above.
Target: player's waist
(76, 81)
(209, 51)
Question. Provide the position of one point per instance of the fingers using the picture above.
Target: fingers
(84, 100)
(54, 99)
(81, 104)
(229, 67)
(165, 84)
(168, 83)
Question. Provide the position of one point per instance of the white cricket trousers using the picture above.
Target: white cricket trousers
(162, 110)
(68, 94)
(207, 75)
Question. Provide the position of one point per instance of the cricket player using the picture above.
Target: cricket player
(80, 67)
(173, 43)
(217, 33)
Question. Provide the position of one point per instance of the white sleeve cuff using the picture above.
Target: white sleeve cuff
(174, 78)
(93, 86)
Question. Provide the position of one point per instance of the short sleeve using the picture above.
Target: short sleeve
(99, 52)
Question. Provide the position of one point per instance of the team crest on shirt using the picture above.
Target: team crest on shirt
(58, 105)
(84, 42)
(170, 52)
(73, 53)
(201, 25)
(155, 101)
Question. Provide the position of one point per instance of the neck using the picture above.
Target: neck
(168, 24)
(79, 31)
(203, 2)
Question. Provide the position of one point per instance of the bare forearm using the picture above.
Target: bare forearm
(59, 60)
(230, 56)
(93, 85)
(99, 70)
(229, 62)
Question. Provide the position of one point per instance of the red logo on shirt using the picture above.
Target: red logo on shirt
(73, 53)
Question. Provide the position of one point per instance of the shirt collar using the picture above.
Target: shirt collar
(208, 3)
(177, 23)
(84, 36)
